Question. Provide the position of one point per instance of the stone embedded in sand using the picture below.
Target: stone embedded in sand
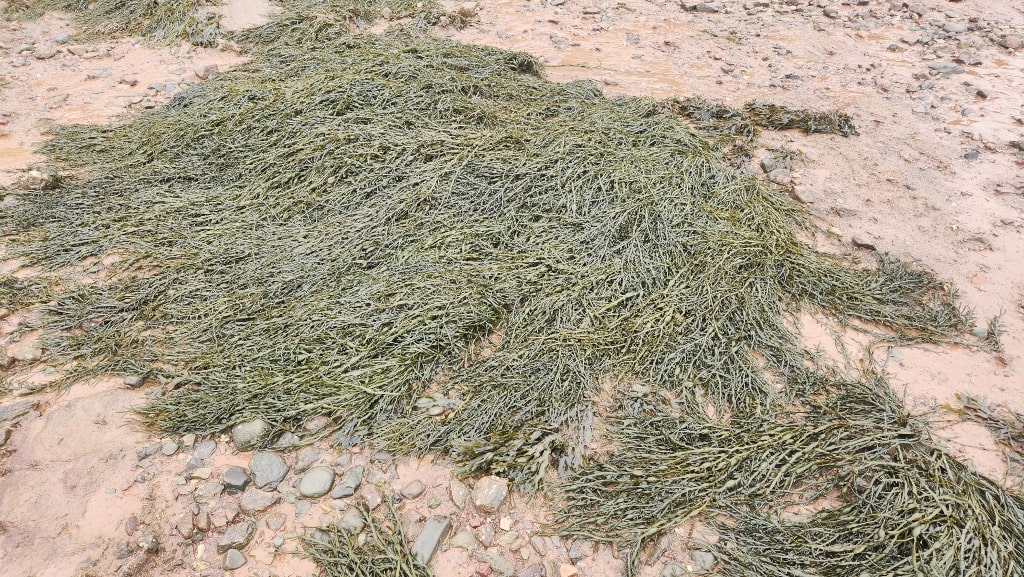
(490, 493)
(235, 479)
(233, 559)
(268, 469)
(352, 521)
(255, 500)
(463, 540)
(208, 492)
(205, 448)
(246, 434)
(349, 482)
(169, 448)
(581, 549)
(434, 531)
(705, 561)
(14, 409)
(133, 381)
(673, 570)
(412, 490)
(237, 536)
(459, 492)
(25, 352)
(566, 570)
(317, 482)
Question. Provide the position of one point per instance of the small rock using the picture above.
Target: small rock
(537, 542)
(275, 521)
(25, 352)
(705, 561)
(490, 493)
(831, 12)
(352, 521)
(12, 410)
(6, 362)
(862, 242)
(348, 484)
(317, 482)
(169, 448)
(233, 559)
(463, 540)
(483, 569)
(459, 492)
(305, 459)
(205, 448)
(535, 570)
(581, 549)
(128, 80)
(268, 469)
(203, 521)
(673, 570)
(371, 496)
(412, 490)
(45, 53)
(185, 526)
(1011, 41)
(205, 70)
(434, 531)
(954, 28)
(248, 433)
(208, 492)
(287, 439)
(781, 176)
(565, 570)
(237, 536)
(256, 500)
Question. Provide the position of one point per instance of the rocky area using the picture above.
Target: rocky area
(936, 174)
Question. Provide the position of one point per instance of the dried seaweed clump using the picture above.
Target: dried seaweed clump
(442, 251)
(380, 549)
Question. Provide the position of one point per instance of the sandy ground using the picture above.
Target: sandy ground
(936, 175)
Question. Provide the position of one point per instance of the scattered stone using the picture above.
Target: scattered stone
(781, 176)
(305, 459)
(287, 439)
(459, 492)
(412, 490)
(862, 242)
(45, 53)
(483, 569)
(371, 496)
(352, 521)
(704, 536)
(831, 12)
(268, 469)
(703, 560)
(490, 493)
(496, 560)
(535, 570)
(235, 479)
(248, 433)
(1011, 41)
(255, 500)
(208, 492)
(203, 521)
(6, 362)
(28, 352)
(581, 549)
(317, 482)
(185, 526)
(237, 536)
(128, 80)
(350, 481)
(205, 70)
(205, 449)
(673, 570)
(169, 448)
(275, 521)
(15, 409)
(463, 540)
(434, 531)
(233, 559)
(537, 542)
(565, 570)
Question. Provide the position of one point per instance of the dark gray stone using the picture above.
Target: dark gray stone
(412, 490)
(235, 479)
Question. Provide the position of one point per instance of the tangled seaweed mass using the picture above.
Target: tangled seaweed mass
(445, 252)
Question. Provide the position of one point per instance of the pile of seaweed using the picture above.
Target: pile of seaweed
(444, 252)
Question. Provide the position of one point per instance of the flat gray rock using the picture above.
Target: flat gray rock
(268, 469)
(15, 409)
(237, 536)
(317, 482)
(235, 479)
(233, 559)
(205, 448)
(349, 482)
(255, 500)
(434, 531)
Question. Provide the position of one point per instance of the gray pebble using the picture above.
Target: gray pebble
(268, 469)
(235, 479)
(317, 482)
(233, 559)
(247, 434)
